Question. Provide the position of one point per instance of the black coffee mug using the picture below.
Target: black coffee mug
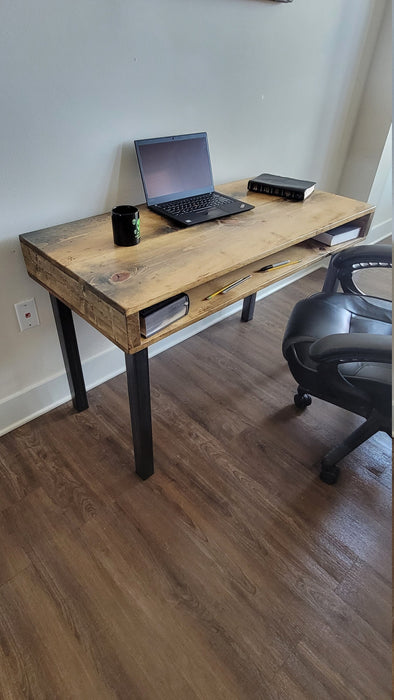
(126, 225)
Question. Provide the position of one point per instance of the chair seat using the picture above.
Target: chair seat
(372, 378)
(325, 314)
(322, 315)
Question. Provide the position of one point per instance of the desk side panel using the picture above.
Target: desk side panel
(122, 330)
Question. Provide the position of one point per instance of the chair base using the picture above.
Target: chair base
(329, 469)
(302, 399)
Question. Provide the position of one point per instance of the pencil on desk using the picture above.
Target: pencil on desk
(278, 264)
(227, 288)
(234, 284)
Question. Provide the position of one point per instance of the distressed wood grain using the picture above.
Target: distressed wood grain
(108, 285)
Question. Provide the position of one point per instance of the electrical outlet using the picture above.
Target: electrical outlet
(26, 313)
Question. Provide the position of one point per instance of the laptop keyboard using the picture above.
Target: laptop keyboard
(194, 204)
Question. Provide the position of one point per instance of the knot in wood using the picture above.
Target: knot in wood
(120, 276)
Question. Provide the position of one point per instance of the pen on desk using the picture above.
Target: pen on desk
(278, 264)
(227, 288)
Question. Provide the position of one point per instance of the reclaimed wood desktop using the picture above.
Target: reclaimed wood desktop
(108, 286)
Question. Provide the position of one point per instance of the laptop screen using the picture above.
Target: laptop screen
(174, 167)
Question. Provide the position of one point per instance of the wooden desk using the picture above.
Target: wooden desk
(108, 286)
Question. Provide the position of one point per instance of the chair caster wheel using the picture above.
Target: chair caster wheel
(302, 400)
(329, 474)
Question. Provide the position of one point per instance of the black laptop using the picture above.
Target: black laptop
(177, 178)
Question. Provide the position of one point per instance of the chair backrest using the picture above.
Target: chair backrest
(346, 265)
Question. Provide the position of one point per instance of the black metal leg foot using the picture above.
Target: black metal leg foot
(69, 346)
(137, 368)
(329, 474)
(248, 308)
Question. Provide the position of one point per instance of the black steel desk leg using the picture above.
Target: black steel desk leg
(248, 308)
(137, 369)
(68, 343)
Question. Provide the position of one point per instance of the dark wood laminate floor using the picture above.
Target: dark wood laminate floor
(233, 573)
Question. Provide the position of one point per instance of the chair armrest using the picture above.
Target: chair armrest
(352, 347)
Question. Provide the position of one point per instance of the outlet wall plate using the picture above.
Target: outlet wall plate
(26, 313)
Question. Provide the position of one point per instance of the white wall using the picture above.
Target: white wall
(277, 86)
(367, 171)
(381, 194)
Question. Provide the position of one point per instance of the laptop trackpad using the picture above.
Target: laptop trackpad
(211, 213)
(204, 215)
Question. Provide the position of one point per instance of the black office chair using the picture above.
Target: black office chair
(338, 347)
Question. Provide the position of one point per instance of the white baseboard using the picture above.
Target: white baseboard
(34, 400)
(380, 231)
